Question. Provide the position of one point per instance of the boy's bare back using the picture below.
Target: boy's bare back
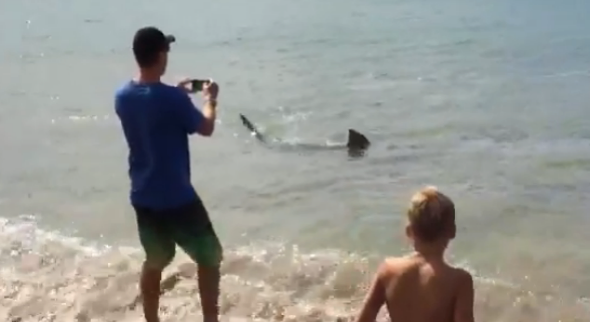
(417, 291)
(414, 290)
(422, 287)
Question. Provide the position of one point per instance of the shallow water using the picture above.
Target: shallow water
(486, 100)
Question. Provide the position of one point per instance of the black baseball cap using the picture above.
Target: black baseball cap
(150, 41)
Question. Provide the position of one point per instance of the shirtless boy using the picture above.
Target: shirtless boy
(422, 287)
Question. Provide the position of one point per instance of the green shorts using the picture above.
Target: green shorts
(187, 226)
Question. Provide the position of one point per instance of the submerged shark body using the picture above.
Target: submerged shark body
(356, 144)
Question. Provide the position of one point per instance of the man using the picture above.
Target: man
(156, 119)
(422, 287)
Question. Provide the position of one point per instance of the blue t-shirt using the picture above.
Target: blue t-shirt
(157, 119)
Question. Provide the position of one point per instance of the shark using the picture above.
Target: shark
(356, 144)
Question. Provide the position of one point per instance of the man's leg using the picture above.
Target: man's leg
(209, 278)
(159, 250)
(196, 236)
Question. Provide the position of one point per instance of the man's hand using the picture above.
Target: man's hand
(210, 91)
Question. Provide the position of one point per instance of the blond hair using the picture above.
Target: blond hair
(431, 214)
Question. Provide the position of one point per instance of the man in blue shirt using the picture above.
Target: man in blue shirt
(156, 119)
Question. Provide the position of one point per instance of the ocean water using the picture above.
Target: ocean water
(485, 99)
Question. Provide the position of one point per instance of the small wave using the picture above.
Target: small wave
(583, 73)
(333, 144)
(80, 118)
(49, 277)
(295, 117)
(289, 116)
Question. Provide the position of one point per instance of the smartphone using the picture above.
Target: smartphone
(197, 84)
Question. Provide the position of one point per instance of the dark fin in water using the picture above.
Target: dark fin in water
(251, 127)
(357, 141)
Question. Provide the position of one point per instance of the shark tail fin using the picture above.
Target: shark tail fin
(251, 127)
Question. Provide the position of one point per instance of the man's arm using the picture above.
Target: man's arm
(210, 115)
(465, 298)
(193, 120)
(375, 298)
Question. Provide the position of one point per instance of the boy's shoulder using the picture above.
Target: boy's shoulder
(399, 263)
(397, 266)
(392, 267)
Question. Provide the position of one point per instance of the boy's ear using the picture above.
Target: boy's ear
(453, 231)
(409, 232)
